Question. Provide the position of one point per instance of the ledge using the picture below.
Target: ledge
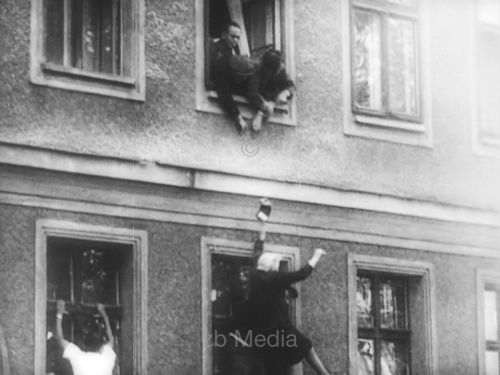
(207, 101)
(214, 181)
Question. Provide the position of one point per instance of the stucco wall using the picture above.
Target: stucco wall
(174, 299)
(167, 127)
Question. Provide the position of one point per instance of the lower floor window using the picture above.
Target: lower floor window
(84, 273)
(391, 316)
(226, 268)
(383, 324)
(85, 265)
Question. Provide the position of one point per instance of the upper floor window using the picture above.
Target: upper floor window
(488, 72)
(89, 45)
(384, 64)
(386, 75)
(265, 24)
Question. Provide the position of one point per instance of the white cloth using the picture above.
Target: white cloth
(90, 363)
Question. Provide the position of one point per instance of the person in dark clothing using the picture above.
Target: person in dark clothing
(227, 44)
(269, 312)
(231, 75)
(222, 68)
(268, 86)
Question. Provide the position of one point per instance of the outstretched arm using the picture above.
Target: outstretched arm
(61, 309)
(288, 278)
(109, 333)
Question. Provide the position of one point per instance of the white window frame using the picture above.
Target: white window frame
(382, 128)
(64, 229)
(483, 145)
(206, 100)
(405, 268)
(211, 246)
(483, 277)
(51, 75)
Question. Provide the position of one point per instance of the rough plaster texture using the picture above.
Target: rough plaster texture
(174, 299)
(168, 129)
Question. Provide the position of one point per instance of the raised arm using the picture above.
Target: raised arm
(288, 278)
(61, 309)
(109, 333)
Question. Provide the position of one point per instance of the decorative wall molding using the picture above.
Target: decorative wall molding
(205, 180)
(86, 184)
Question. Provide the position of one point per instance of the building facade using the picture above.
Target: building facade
(122, 182)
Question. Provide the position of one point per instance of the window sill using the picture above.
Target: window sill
(390, 130)
(51, 68)
(283, 114)
(56, 76)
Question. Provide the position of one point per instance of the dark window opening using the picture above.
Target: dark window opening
(230, 286)
(384, 335)
(88, 35)
(84, 273)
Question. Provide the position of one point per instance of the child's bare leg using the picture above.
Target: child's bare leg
(313, 360)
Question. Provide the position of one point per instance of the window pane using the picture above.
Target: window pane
(367, 60)
(91, 34)
(490, 315)
(403, 90)
(492, 363)
(259, 23)
(364, 302)
(365, 357)
(54, 26)
(392, 295)
(96, 27)
(99, 278)
(230, 288)
(58, 275)
(110, 38)
(394, 358)
(488, 11)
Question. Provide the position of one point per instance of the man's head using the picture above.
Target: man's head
(232, 34)
(241, 68)
(92, 335)
(273, 61)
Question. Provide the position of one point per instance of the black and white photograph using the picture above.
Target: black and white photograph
(249, 187)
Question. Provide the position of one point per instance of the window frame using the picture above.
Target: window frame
(415, 131)
(64, 229)
(421, 271)
(483, 144)
(211, 246)
(207, 100)
(58, 76)
(484, 278)
(377, 333)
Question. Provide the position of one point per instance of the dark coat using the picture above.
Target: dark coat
(268, 296)
(265, 86)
